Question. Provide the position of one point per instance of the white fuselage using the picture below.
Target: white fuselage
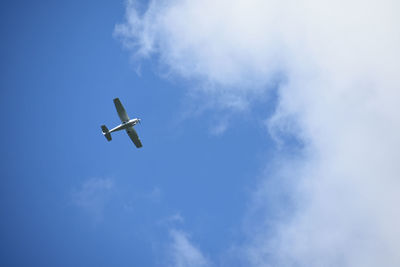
(125, 125)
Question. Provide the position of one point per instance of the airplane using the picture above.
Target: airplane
(127, 124)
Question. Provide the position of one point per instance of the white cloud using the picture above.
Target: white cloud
(155, 195)
(341, 66)
(175, 218)
(93, 195)
(182, 252)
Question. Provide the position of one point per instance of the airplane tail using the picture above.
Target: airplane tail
(106, 133)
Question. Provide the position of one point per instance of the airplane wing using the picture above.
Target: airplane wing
(121, 111)
(134, 137)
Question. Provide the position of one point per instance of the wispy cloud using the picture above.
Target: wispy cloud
(183, 253)
(340, 61)
(174, 219)
(93, 195)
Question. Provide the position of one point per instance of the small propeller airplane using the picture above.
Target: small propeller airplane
(127, 124)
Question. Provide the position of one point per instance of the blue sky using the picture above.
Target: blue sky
(269, 130)
(61, 67)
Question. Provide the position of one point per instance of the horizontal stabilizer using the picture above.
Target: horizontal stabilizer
(106, 133)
